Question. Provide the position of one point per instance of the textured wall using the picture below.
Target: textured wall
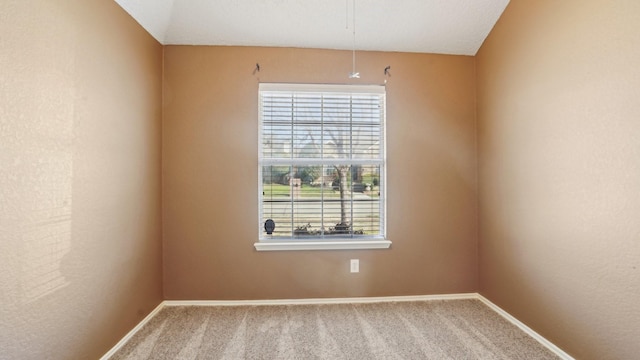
(210, 157)
(559, 164)
(80, 122)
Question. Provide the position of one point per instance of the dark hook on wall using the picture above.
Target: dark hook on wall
(386, 70)
(257, 69)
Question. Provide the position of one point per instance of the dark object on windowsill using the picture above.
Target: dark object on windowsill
(269, 226)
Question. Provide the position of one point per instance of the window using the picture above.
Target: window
(321, 167)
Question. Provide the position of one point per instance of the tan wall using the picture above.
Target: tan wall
(559, 135)
(210, 159)
(80, 122)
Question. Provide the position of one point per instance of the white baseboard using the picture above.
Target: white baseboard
(319, 301)
(356, 300)
(132, 332)
(541, 339)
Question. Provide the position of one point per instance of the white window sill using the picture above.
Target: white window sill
(322, 245)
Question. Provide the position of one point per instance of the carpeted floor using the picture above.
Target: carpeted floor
(451, 329)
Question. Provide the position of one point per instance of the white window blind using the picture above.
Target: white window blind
(322, 162)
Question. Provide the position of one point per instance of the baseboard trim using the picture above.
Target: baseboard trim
(132, 332)
(319, 301)
(355, 300)
(541, 339)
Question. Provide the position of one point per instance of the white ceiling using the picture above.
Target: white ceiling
(428, 26)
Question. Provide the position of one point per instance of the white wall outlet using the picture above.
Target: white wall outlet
(355, 265)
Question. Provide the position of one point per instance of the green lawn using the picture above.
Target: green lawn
(306, 191)
(368, 178)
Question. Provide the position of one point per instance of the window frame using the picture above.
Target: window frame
(379, 241)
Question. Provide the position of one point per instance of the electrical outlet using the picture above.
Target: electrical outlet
(355, 265)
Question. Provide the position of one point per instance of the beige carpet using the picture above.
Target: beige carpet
(452, 329)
